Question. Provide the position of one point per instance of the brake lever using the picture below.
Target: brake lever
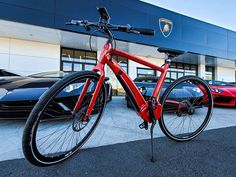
(135, 32)
(72, 22)
(77, 22)
(87, 28)
(130, 30)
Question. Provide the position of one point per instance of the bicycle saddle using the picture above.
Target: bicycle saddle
(170, 52)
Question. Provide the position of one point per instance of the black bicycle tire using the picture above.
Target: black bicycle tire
(208, 116)
(33, 118)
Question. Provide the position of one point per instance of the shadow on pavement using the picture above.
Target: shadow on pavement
(213, 153)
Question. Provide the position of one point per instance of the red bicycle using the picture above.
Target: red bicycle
(68, 113)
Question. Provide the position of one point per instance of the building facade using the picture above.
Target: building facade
(34, 38)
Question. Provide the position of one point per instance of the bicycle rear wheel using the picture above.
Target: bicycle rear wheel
(52, 134)
(187, 108)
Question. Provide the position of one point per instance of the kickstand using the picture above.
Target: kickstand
(152, 143)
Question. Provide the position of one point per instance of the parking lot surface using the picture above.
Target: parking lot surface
(211, 154)
(119, 125)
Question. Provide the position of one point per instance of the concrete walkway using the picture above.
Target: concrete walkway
(118, 125)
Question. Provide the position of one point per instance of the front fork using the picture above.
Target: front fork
(94, 97)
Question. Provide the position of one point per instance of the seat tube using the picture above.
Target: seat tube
(161, 81)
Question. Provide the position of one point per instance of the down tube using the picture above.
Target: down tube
(139, 103)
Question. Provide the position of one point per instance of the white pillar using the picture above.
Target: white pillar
(201, 67)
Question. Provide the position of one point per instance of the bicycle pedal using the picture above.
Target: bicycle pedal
(143, 125)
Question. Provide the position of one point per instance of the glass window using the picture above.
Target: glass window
(173, 65)
(77, 60)
(91, 55)
(187, 67)
(193, 67)
(79, 54)
(168, 74)
(123, 62)
(78, 67)
(190, 73)
(210, 73)
(173, 75)
(67, 66)
(92, 61)
(180, 66)
(145, 72)
(178, 70)
(88, 67)
(67, 55)
(180, 74)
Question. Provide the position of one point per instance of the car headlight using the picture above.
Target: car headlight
(217, 90)
(3, 92)
(72, 87)
(196, 89)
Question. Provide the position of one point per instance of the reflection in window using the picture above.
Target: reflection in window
(78, 67)
(67, 66)
(123, 62)
(210, 73)
(173, 75)
(88, 67)
(178, 70)
(145, 72)
(77, 60)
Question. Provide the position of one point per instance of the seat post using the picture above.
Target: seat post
(168, 60)
(170, 53)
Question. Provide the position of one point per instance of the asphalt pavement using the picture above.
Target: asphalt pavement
(213, 153)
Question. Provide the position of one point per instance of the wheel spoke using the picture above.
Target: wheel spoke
(58, 133)
(191, 109)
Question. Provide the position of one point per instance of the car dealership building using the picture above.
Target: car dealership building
(34, 38)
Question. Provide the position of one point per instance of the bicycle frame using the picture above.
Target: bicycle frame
(140, 104)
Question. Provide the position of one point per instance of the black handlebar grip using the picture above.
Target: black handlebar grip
(123, 28)
(144, 31)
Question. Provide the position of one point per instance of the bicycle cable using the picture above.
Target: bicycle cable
(103, 32)
(90, 44)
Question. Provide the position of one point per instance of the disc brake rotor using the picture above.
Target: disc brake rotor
(79, 123)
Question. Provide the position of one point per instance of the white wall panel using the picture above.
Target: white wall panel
(27, 57)
(225, 74)
(30, 64)
(4, 61)
(144, 50)
(37, 49)
(4, 45)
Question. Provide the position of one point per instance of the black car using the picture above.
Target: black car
(233, 83)
(146, 85)
(3, 73)
(19, 94)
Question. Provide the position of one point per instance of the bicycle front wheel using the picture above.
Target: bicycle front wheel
(187, 108)
(52, 133)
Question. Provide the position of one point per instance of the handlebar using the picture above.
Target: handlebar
(143, 31)
(105, 26)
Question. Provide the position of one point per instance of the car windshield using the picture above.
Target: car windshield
(220, 83)
(56, 74)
